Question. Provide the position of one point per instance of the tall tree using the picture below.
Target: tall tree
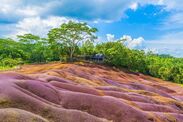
(87, 48)
(28, 38)
(72, 34)
(35, 47)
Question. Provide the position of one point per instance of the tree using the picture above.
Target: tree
(10, 49)
(28, 38)
(87, 48)
(72, 34)
(35, 47)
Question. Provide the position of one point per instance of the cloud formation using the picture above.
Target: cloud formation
(14, 11)
(86, 10)
(37, 17)
(32, 25)
(136, 43)
(165, 46)
(106, 10)
(110, 37)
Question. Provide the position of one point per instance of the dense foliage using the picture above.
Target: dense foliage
(161, 66)
(70, 35)
(68, 41)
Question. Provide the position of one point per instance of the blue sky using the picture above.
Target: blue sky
(154, 25)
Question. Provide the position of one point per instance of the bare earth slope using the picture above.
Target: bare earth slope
(86, 93)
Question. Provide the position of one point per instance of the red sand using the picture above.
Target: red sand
(86, 93)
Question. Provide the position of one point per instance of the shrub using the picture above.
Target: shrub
(8, 62)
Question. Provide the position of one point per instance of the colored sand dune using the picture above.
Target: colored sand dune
(86, 93)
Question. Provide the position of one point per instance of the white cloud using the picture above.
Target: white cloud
(175, 19)
(126, 38)
(8, 8)
(86, 10)
(160, 2)
(110, 37)
(108, 10)
(29, 11)
(170, 43)
(134, 6)
(99, 10)
(15, 10)
(95, 10)
(153, 50)
(174, 22)
(172, 4)
(38, 26)
(165, 48)
(170, 38)
(136, 43)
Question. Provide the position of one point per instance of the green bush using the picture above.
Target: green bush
(8, 62)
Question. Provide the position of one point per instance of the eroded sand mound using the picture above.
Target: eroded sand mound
(86, 93)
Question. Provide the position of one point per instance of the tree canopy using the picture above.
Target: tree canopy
(71, 34)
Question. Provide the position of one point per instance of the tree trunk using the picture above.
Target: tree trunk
(71, 57)
(71, 54)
